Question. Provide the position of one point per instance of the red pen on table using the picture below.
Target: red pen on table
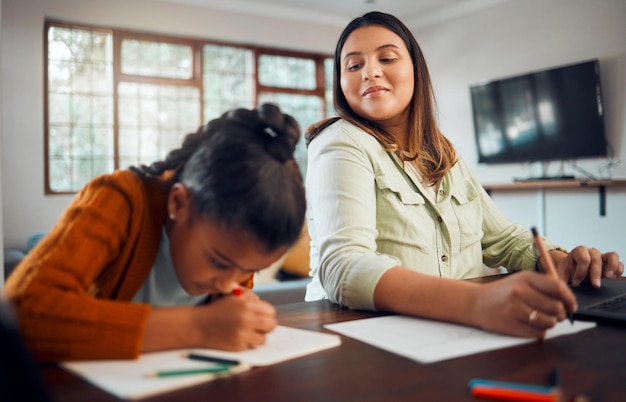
(512, 394)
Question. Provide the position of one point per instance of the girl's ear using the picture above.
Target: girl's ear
(179, 202)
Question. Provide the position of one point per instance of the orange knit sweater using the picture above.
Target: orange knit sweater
(72, 292)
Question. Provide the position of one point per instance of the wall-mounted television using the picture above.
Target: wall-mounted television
(553, 114)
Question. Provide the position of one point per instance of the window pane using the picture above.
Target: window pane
(59, 75)
(60, 141)
(59, 108)
(102, 78)
(77, 155)
(80, 104)
(153, 119)
(306, 109)
(287, 72)
(329, 66)
(79, 61)
(82, 109)
(102, 115)
(228, 79)
(157, 59)
(82, 172)
(60, 174)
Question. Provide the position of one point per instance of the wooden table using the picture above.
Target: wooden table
(592, 363)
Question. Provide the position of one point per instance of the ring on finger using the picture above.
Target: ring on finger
(532, 317)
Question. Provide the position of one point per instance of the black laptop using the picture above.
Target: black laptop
(606, 305)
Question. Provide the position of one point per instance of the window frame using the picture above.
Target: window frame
(196, 80)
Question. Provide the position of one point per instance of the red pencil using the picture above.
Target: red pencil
(510, 394)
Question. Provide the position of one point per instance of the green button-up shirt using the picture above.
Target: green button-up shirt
(367, 214)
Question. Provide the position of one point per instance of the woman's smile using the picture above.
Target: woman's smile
(374, 92)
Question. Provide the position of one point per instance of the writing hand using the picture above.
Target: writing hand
(525, 304)
(235, 322)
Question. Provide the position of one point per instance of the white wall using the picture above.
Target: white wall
(26, 209)
(515, 37)
(510, 38)
(519, 36)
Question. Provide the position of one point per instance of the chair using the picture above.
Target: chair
(13, 256)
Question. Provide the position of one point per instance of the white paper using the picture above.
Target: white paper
(128, 379)
(428, 341)
(283, 343)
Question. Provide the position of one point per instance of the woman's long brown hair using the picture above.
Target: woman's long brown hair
(433, 153)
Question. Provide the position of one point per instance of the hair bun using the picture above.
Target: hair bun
(278, 132)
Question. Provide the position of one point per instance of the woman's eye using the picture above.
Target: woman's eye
(387, 60)
(353, 67)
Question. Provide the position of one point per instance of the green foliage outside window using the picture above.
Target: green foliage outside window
(119, 98)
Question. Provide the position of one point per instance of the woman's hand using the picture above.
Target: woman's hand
(588, 264)
(525, 304)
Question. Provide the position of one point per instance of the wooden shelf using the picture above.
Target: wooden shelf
(524, 185)
(601, 185)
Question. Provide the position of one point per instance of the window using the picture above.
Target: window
(79, 106)
(120, 98)
(158, 97)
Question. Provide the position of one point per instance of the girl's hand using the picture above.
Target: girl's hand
(525, 304)
(234, 322)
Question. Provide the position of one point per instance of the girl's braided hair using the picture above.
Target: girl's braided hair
(241, 173)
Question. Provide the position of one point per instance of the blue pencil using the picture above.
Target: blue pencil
(510, 385)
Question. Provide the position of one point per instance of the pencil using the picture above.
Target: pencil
(212, 359)
(204, 370)
(549, 265)
(513, 394)
(539, 389)
(547, 261)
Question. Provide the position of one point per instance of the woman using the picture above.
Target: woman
(395, 216)
(125, 268)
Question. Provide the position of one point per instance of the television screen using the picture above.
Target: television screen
(553, 114)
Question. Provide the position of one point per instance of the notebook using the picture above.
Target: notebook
(602, 305)
(132, 379)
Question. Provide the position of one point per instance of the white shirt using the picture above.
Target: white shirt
(162, 287)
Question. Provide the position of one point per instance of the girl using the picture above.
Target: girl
(134, 254)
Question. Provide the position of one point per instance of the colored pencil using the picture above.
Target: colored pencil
(179, 372)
